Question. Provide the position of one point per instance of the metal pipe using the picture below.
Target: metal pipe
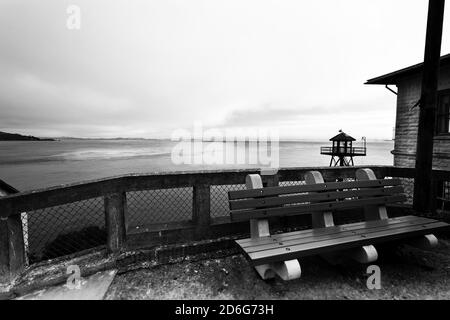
(391, 90)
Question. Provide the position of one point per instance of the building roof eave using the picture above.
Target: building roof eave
(393, 77)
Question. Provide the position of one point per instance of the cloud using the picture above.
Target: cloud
(149, 67)
(271, 114)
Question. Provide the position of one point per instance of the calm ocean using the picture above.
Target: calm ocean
(30, 165)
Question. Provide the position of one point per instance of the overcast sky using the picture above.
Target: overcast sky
(144, 68)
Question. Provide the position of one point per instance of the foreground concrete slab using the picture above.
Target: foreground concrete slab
(90, 288)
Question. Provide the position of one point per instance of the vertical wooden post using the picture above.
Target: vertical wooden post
(115, 211)
(201, 210)
(12, 244)
(269, 178)
(270, 181)
(424, 155)
(12, 249)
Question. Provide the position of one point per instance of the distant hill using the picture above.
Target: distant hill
(4, 136)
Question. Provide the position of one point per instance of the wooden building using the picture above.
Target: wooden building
(408, 83)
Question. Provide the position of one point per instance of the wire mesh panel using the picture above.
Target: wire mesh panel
(61, 230)
(159, 206)
(408, 186)
(291, 183)
(219, 199)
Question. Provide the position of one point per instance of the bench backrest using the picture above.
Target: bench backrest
(267, 202)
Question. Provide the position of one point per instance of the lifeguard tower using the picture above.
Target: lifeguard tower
(342, 150)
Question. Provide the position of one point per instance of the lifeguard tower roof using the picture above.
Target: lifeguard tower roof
(342, 137)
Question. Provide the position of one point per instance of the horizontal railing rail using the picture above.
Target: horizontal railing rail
(343, 150)
(53, 196)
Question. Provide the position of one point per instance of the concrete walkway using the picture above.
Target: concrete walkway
(90, 288)
(406, 273)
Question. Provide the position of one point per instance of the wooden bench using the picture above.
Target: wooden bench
(277, 254)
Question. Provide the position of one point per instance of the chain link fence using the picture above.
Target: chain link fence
(291, 183)
(61, 230)
(159, 206)
(219, 199)
(408, 187)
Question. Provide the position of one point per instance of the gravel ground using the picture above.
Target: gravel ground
(406, 273)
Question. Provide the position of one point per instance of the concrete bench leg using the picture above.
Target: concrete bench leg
(365, 254)
(286, 270)
(424, 242)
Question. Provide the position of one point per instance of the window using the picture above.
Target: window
(443, 112)
(444, 196)
(446, 190)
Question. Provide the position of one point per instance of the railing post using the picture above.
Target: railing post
(270, 178)
(12, 244)
(115, 212)
(12, 249)
(201, 210)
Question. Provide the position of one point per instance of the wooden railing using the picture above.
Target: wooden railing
(114, 191)
(355, 151)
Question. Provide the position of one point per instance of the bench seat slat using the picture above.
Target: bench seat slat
(332, 195)
(310, 208)
(274, 191)
(362, 230)
(317, 247)
(249, 242)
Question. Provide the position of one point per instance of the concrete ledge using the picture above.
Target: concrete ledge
(53, 272)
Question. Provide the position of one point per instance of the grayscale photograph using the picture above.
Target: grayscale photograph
(224, 158)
